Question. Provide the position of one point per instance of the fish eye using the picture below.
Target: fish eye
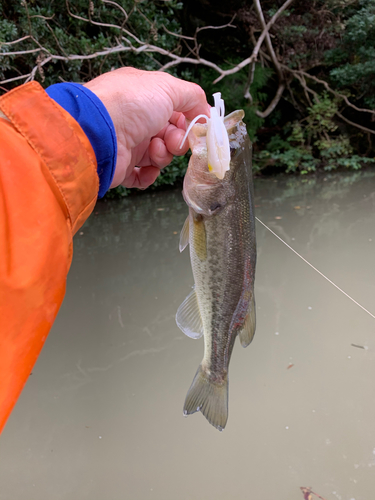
(215, 207)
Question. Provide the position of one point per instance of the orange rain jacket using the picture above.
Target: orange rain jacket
(48, 188)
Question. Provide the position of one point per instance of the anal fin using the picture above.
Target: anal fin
(247, 333)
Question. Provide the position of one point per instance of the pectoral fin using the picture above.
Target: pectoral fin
(247, 333)
(188, 317)
(184, 236)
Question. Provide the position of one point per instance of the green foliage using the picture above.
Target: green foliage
(169, 176)
(333, 40)
(64, 29)
(291, 160)
(296, 154)
(354, 58)
(117, 192)
(174, 172)
(353, 162)
(292, 155)
(320, 115)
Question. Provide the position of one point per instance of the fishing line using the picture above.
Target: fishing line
(315, 269)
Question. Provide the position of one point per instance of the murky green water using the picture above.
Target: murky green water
(101, 416)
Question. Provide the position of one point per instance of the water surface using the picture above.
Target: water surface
(101, 416)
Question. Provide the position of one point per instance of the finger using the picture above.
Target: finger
(173, 138)
(162, 131)
(141, 178)
(173, 133)
(178, 119)
(188, 98)
(158, 152)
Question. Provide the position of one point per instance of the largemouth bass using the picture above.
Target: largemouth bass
(220, 229)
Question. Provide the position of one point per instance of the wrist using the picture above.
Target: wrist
(91, 114)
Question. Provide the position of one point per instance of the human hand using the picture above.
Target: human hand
(148, 110)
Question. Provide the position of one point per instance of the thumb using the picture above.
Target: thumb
(188, 98)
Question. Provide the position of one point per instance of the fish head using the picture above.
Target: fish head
(206, 190)
(203, 191)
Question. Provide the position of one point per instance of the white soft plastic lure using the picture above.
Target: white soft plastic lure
(218, 150)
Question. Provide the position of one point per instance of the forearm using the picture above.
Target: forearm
(48, 188)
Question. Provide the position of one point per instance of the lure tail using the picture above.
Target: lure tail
(218, 149)
(209, 397)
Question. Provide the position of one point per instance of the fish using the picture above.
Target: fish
(220, 232)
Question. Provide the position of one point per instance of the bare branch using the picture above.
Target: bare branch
(189, 60)
(104, 25)
(118, 6)
(268, 26)
(270, 49)
(15, 41)
(228, 25)
(145, 17)
(178, 35)
(275, 61)
(36, 68)
(43, 17)
(307, 90)
(250, 80)
(272, 105)
(294, 102)
(56, 40)
(361, 127)
(147, 48)
(22, 77)
(128, 42)
(256, 49)
(194, 50)
(300, 72)
(19, 52)
(337, 94)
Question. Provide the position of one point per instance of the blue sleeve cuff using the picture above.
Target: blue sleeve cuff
(89, 111)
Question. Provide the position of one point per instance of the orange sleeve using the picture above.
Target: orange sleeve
(48, 188)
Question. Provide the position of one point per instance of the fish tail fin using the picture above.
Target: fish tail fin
(208, 397)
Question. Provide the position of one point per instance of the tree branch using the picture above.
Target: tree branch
(269, 46)
(272, 105)
(118, 7)
(15, 41)
(325, 84)
(14, 79)
(256, 49)
(145, 47)
(129, 42)
(228, 25)
(361, 127)
(20, 52)
(104, 25)
(178, 35)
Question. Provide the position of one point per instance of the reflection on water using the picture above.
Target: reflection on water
(101, 416)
